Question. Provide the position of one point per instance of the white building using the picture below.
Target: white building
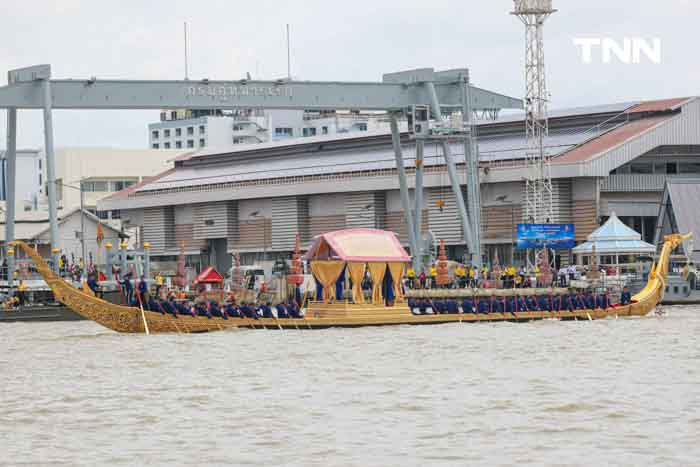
(195, 129)
(29, 178)
(33, 227)
(102, 171)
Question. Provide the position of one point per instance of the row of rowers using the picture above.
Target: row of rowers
(518, 303)
(211, 309)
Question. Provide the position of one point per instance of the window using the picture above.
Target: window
(309, 132)
(116, 214)
(155, 134)
(362, 126)
(178, 144)
(104, 215)
(625, 169)
(237, 140)
(190, 130)
(121, 184)
(94, 186)
(285, 132)
(689, 167)
(39, 164)
(324, 130)
(166, 145)
(190, 143)
(166, 133)
(675, 289)
(659, 168)
(672, 168)
(163, 116)
(155, 146)
(173, 115)
(641, 168)
(201, 143)
(202, 129)
(178, 131)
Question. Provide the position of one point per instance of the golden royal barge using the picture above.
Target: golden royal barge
(354, 250)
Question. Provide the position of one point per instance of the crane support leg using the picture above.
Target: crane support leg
(471, 160)
(50, 172)
(11, 157)
(452, 172)
(403, 185)
(420, 147)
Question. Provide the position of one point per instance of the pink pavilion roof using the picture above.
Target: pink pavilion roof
(359, 244)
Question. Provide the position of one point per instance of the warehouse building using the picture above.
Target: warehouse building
(253, 199)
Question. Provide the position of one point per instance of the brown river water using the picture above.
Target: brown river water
(615, 392)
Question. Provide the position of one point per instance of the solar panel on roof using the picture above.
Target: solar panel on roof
(491, 148)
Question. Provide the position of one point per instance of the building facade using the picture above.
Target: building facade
(197, 129)
(29, 178)
(253, 200)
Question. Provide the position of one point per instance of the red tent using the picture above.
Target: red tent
(209, 276)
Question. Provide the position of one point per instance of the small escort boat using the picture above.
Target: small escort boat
(332, 254)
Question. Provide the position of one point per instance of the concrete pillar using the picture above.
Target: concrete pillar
(50, 170)
(403, 185)
(11, 158)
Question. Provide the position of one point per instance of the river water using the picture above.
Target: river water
(615, 392)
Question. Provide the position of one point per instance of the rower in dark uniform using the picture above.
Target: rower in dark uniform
(231, 309)
(282, 312)
(544, 303)
(603, 301)
(266, 310)
(482, 306)
(556, 302)
(589, 300)
(532, 304)
(521, 303)
(567, 303)
(510, 305)
(216, 311)
(452, 307)
(495, 305)
(248, 311)
(294, 310)
(576, 301)
(155, 306)
(438, 306)
(467, 305)
(169, 307)
(625, 296)
(201, 310)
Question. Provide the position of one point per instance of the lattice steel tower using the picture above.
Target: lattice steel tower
(538, 181)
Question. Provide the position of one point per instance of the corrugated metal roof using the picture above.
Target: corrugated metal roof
(609, 140)
(659, 105)
(619, 107)
(491, 148)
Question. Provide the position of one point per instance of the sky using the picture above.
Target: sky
(346, 41)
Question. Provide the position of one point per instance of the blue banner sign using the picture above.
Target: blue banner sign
(555, 236)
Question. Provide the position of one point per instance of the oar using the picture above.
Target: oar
(143, 315)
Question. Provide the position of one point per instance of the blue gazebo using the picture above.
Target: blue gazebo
(614, 239)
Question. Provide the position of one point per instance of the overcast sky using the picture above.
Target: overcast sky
(355, 40)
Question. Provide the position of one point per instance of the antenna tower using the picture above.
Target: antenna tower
(538, 181)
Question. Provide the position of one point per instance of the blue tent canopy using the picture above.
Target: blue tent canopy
(614, 237)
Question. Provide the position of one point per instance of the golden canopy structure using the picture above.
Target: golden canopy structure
(358, 250)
